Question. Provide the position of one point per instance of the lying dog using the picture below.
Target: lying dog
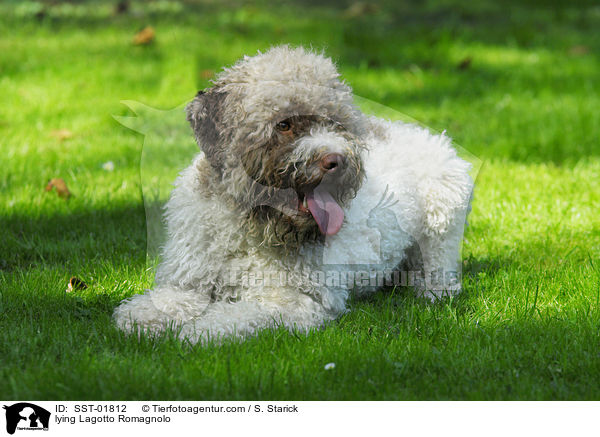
(297, 200)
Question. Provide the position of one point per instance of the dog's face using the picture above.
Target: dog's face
(291, 171)
(305, 172)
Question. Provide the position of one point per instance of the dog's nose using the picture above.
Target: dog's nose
(332, 162)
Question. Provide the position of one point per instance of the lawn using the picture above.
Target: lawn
(516, 84)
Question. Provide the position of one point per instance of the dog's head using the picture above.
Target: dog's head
(284, 140)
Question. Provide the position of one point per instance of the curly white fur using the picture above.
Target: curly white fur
(416, 194)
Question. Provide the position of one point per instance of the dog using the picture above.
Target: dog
(296, 200)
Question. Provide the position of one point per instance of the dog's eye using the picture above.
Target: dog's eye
(283, 126)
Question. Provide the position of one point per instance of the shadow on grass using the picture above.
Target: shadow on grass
(114, 234)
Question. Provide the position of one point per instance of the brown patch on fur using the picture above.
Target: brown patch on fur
(206, 174)
(205, 115)
(273, 214)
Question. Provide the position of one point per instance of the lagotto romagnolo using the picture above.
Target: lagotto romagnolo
(296, 201)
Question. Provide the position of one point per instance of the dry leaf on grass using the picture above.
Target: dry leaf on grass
(465, 63)
(144, 36)
(75, 284)
(61, 187)
(62, 134)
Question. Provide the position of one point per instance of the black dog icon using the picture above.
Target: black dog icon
(31, 414)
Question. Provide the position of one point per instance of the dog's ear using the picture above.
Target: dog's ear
(205, 114)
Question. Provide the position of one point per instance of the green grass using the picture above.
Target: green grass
(527, 324)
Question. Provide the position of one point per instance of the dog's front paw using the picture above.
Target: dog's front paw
(138, 312)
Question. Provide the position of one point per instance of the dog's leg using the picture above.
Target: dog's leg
(139, 313)
(160, 308)
(446, 194)
(245, 318)
(194, 318)
(441, 264)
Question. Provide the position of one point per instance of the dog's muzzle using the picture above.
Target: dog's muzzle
(319, 202)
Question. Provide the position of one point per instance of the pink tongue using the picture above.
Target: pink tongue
(325, 210)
